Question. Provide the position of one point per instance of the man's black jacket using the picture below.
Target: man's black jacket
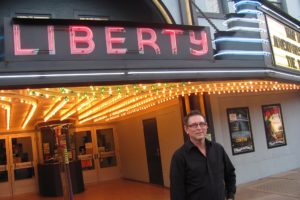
(196, 177)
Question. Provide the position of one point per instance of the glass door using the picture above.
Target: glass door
(107, 154)
(84, 149)
(17, 165)
(5, 179)
(23, 163)
(97, 150)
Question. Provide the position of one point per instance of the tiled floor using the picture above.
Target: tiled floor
(111, 190)
(284, 186)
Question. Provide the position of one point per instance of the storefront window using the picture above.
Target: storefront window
(106, 148)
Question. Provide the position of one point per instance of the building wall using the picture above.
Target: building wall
(136, 10)
(217, 22)
(132, 150)
(263, 161)
(173, 7)
(132, 145)
(293, 7)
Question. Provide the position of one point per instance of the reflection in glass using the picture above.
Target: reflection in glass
(3, 162)
(84, 149)
(22, 158)
(106, 148)
(240, 130)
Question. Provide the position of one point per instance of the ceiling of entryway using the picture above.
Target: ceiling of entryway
(23, 109)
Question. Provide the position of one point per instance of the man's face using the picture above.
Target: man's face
(196, 128)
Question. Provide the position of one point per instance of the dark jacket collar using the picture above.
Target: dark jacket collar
(189, 145)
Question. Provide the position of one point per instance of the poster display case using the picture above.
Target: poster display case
(274, 127)
(240, 130)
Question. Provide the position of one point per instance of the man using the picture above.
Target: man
(200, 169)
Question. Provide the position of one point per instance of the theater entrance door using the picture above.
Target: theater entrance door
(17, 164)
(97, 148)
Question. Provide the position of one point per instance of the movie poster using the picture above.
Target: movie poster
(274, 127)
(240, 130)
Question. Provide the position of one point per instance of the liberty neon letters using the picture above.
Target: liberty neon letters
(146, 37)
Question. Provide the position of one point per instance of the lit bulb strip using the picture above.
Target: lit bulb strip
(130, 109)
(73, 109)
(84, 104)
(248, 40)
(99, 106)
(136, 100)
(29, 116)
(24, 99)
(49, 93)
(31, 112)
(144, 96)
(165, 91)
(7, 107)
(70, 92)
(111, 108)
(56, 107)
(138, 109)
(8, 114)
(125, 106)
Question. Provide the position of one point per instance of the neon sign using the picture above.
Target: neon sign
(105, 41)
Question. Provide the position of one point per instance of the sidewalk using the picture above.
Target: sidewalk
(283, 186)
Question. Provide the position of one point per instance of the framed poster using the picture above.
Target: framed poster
(274, 127)
(240, 130)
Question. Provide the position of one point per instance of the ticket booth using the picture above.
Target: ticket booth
(59, 171)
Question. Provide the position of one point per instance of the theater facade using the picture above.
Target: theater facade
(102, 91)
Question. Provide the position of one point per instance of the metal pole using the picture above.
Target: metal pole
(67, 163)
(66, 177)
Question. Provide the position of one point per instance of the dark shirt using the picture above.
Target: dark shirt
(196, 177)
